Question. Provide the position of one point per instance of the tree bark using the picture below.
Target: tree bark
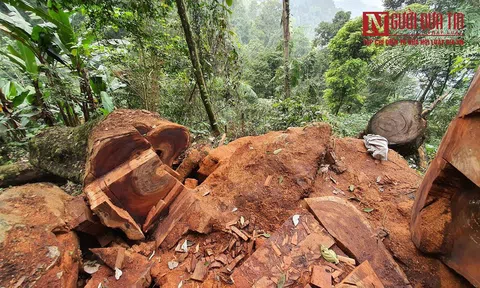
(429, 86)
(197, 67)
(23, 172)
(286, 40)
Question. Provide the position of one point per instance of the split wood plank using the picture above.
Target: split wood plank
(111, 215)
(177, 209)
(361, 276)
(352, 231)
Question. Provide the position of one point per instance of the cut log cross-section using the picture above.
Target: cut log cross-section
(402, 124)
(128, 171)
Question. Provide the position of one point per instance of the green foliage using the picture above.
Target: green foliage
(326, 30)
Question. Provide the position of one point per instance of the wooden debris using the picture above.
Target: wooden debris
(200, 272)
(239, 233)
(361, 276)
(222, 258)
(178, 208)
(268, 180)
(449, 196)
(272, 259)
(352, 231)
(234, 263)
(136, 268)
(276, 249)
(336, 274)
(294, 240)
(320, 277)
(191, 183)
(120, 257)
(347, 260)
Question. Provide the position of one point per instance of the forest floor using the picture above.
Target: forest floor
(257, 184)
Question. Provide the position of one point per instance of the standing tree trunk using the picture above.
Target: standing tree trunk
(197, 68)
(86, 91)
(286, 39)
(46, 115)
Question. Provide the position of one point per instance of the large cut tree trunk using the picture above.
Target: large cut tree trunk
(197, 67)
(447, 204)
(128, 180)
(402, 124)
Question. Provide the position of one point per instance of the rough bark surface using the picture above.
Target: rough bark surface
(23, 172)
(402, 124)
(62, 151)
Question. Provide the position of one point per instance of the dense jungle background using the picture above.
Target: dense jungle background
(68, 62)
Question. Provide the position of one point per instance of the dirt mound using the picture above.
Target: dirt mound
(31, 254)
(266, 177)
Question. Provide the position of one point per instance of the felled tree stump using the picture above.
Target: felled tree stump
(128, 179)
(402, 124)
(447, 204)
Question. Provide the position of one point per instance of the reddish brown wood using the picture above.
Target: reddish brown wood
(128, 171)
(177, 209)
(362, 276)
(266, 264)
(447, 205)
(354, 235)
(320, 277)
(135, 269)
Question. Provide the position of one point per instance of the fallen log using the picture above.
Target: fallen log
(62, 151)
(20, 173)
(402, 124)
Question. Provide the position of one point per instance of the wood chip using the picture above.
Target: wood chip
(268, 180)
(222, 258)
(235, 261)
(336, 274)
(294, 240)
(120, 258)
(239, 233)
(320, 277)
(305, 225)
(209, 252)
(231, 223)
(200, 272)
(347, 260)
(276, 249)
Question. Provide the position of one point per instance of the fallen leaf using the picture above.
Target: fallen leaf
(242, 220)
(118, 273)
(296, 219)
(266, 235)
(351, 188)
(280, 179)
(277, 151)
(368, 210)
(281, 281)
(234, 209)
(329, 254)
(206, 193)
(180, 284)
(379, 178)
